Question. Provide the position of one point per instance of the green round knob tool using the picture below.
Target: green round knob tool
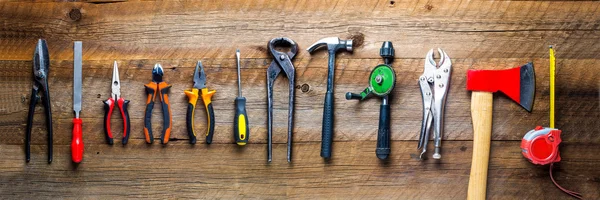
(382, 80)
(381, 83)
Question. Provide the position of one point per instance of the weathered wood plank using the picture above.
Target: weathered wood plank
(184, 30)
(476, 34)
(221, 171)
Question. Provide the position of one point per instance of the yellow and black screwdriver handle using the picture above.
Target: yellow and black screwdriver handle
(189, 120)
(240, 131)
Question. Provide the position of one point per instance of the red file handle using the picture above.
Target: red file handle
(77, 142)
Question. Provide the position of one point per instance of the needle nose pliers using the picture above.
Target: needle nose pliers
(109, 105)
(192, 94)
(41, 64)
(160, 88)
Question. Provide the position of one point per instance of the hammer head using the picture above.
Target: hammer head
(333, 44)
(517, 83)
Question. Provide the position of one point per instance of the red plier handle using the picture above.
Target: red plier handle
(108, 109)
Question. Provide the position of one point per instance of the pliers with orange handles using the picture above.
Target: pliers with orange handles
(192, 94)
(158, 88)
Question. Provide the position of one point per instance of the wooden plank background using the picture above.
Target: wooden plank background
(137, 34)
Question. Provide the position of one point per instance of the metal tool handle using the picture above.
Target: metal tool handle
(270, 83)
(32, 101)
(48, 112)
(427, 99)
(383, 134)
(290, 138)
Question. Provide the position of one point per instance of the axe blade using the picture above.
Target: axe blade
(517, 83)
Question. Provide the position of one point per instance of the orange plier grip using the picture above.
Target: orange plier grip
(206, 98)
(163, 90)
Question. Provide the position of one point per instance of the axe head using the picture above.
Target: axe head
(517, 83)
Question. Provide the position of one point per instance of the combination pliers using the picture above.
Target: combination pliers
(192, 94)
(436, 75)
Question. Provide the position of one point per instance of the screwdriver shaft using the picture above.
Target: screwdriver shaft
(237, 56)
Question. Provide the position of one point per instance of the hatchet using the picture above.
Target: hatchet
(519, 85)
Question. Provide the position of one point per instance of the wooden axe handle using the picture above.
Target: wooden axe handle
(481, 114)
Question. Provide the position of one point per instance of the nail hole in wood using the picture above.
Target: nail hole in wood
(392, 3)
(75, 14)
(305, 88)
(428, 7)
(98, 96)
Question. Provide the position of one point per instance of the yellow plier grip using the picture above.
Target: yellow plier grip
(192, 99)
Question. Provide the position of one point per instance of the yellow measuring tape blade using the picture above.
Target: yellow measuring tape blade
(552, 80)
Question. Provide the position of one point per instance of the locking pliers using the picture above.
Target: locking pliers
(436, 75)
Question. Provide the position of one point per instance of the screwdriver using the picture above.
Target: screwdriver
(240, 122)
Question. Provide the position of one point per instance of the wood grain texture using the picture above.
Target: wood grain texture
(138, 34)
(220, 171)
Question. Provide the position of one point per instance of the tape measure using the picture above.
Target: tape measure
(540, 145)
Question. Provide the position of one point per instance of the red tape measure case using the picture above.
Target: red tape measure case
(540, 146)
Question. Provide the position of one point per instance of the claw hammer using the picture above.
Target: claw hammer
(519, 85)
(333, 45)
